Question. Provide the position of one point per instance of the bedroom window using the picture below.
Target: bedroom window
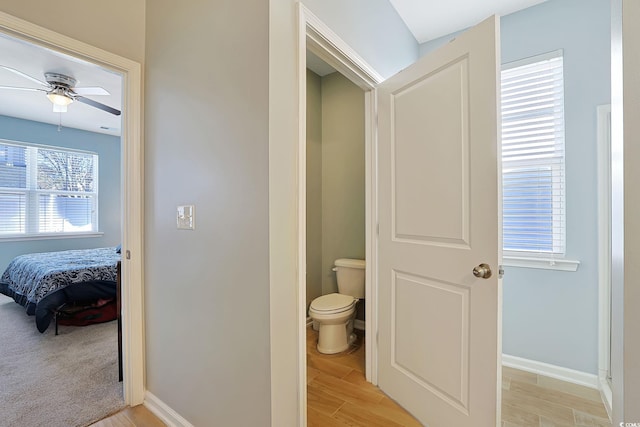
(533, 173)
(47, 191)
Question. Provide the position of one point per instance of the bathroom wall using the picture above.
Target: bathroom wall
(552, 316)
(314, 186)
(335, 178)
(343, 204)
(108, 149)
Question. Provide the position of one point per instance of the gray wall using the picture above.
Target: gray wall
(552, 316)
(116, 26)
(371, 27)
(314, 186)
(207, 290)
(343, 175)
(108, 149)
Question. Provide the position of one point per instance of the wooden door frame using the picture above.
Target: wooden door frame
(314, 35)
(131, 187)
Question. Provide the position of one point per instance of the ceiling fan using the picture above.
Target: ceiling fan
(61, 91)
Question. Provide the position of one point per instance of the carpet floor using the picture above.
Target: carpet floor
(69, 380)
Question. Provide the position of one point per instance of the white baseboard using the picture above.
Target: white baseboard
(161, 410)
(553, 371)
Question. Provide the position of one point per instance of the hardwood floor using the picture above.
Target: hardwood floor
(535, 400)
(338, 395)
(138, 416)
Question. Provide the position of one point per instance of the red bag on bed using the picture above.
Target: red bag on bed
(78, 315)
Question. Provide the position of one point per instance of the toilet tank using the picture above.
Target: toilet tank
(350, 276)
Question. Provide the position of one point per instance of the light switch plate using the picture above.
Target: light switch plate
(185, 218)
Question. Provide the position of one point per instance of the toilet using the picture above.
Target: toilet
(334, 313)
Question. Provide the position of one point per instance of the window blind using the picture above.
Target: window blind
(533, 175)
(46, 190)
(13, 189)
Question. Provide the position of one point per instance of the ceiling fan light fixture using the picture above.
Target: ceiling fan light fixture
(58, 97)
(62, 91)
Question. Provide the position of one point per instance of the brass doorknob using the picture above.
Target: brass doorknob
(482, 271)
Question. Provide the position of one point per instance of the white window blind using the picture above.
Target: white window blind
(533, 176)
(47, 190)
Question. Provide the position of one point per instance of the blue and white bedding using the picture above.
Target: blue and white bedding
(30, 277)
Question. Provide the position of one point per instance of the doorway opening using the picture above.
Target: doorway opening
(60, 177)
(335, 207)
(335, 239)
(327, 50)
(131, 187)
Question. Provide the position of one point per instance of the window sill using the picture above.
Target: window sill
(541, 263)
(57, 236)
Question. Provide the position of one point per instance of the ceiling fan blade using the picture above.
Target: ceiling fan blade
(98, 105)
(33, 89)
(95, 90)
(26, 76)
(59, 108)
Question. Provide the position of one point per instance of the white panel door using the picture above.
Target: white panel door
(438, 213)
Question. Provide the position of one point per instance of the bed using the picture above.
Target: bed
(42, 282)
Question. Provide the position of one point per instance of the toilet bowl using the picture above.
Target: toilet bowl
(334, 313)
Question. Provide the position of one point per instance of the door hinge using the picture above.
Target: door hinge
(127, 254)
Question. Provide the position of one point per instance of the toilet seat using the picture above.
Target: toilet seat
(333, 304)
